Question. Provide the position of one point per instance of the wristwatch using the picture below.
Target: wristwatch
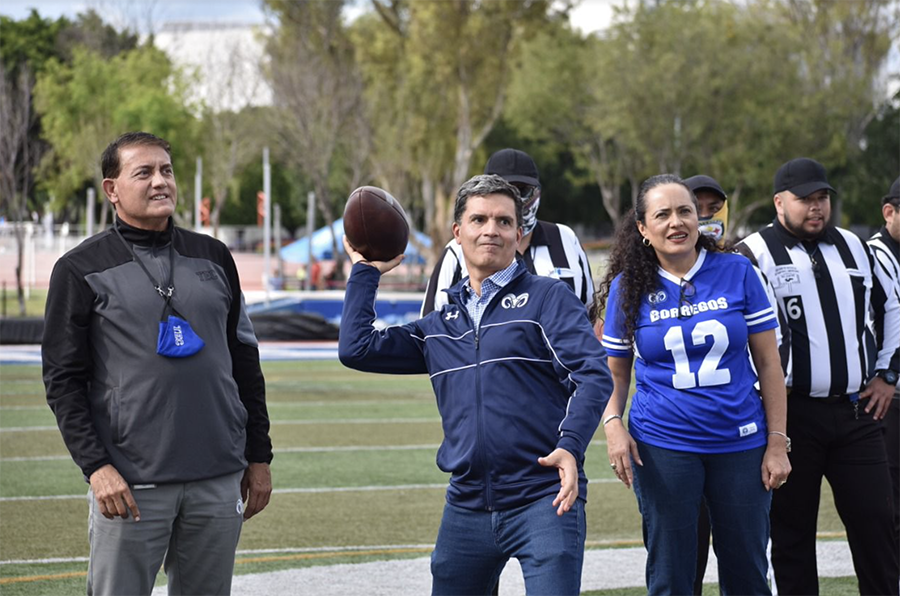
(889, 376)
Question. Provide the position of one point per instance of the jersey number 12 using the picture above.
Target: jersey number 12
(709, 373)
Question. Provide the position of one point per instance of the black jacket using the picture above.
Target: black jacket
(117, 401)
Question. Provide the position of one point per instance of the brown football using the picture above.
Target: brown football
(375, 224)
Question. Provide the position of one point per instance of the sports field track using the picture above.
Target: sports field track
(354, 476)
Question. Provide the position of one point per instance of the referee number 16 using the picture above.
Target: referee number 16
(709, 373)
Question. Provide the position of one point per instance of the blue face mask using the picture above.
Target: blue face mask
(177, 339)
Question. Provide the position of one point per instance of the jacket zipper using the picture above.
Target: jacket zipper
(479, 420)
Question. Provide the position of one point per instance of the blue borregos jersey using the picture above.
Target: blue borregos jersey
(694, 381)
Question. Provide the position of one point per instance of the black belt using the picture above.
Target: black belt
(839, 398)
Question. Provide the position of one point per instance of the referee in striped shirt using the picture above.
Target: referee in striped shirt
(835, 369)
(885, 245)
(547, 249)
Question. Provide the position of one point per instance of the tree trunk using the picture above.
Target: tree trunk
(323, 202)
(609, 189)
(20, 245)
(741, 215)
(219, 196)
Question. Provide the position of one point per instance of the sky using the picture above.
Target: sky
(164, 10)
(590, 15)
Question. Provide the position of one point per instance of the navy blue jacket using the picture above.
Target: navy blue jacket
(532, 379)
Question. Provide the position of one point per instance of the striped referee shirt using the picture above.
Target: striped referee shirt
(886, 250)
(554, 252)
(830, 298)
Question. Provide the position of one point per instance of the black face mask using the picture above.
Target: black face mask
(176, 337)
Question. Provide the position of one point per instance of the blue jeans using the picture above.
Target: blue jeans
(669, 487)
(473, 547)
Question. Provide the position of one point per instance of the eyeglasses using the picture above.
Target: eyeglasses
(686, 291)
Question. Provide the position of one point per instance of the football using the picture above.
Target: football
(375, 224)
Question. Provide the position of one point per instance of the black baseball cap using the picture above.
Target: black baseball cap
(893, 193)
(513, 166)
(802, 177)
(702, 182)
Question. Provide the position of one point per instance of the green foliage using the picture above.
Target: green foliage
(688, 86)
(89, 31)
(870, 172)
(31, 41)
(435, 77)
(317, 94)
(414, 95)
(87, 104)
(288, 190)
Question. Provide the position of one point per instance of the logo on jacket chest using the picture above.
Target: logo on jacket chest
(513, 301)
(451, 315)
(207, 275)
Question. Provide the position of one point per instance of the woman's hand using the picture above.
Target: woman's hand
(776, 466)
(622, 450)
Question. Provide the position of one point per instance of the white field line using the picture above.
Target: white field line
(305, 490)
(35, 458)
(591, 545)
(603, 569)
(359, 421)
(270, 405)
(335, 449)
(25, 429)
(355, 403)
(22, 429)
(276, 404)
(241, 552)
(341, 449)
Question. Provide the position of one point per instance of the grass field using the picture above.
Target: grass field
(354, 476)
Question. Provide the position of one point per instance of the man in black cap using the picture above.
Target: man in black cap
(835, 366)
(547, 249)
(712, 204)
(885, 245)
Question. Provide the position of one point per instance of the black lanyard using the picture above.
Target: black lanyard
(158, 286)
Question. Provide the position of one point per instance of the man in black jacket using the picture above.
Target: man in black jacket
(152, 369)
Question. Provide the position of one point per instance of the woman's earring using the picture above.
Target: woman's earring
(646, 241)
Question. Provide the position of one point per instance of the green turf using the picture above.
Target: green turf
(32, 416)
(34, 303)
(312, 405)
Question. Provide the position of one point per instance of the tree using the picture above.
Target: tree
(553, 102)
(437, 75)
(17, 156)
(230, 124)
(846, 44)
(85, 105)
(869, 173)
(317, 93)
(30, 42)
(713, 87)
(90, 32)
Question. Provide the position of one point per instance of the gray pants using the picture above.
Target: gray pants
(194, 527)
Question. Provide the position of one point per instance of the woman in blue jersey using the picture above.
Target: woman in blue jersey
(687, 314)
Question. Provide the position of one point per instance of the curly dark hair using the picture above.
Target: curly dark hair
(636, 262)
